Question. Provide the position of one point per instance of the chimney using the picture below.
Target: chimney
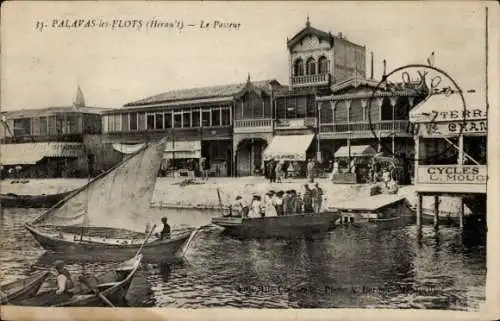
(371, 66)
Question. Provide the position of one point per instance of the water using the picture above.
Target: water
(364, 267)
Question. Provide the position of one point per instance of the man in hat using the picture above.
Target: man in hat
(65, 285)
(165, 232)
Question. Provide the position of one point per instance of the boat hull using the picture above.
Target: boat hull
(31, 201)
(153, 252)
(286, 226)
(118, 281)
(23, 289)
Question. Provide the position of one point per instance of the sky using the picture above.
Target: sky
(114, 66)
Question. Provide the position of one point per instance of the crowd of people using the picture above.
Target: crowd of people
(279, 203)
(278, 170)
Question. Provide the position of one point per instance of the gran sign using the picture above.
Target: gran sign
(452, 174)
(453, 128)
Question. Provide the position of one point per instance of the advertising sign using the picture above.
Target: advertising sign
(452, 174)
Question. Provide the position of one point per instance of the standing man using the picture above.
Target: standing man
(310, 171)
(165, 232)
(317, 198)
(203, 168)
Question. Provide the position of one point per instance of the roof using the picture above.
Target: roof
(354, 83)
(356, 150)
(37, 112)
(311, 31)
(442, 107)
(205, 92)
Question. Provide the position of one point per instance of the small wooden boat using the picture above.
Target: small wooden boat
(382, 209)
(112, 285)
(22, 289)
(286, 226)
(115, 249)
(11, 200)
(115, 200)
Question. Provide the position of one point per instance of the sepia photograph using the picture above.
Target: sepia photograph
(227, 156)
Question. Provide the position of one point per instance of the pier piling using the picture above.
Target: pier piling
(419, 210)
(436, 211)
(461, 212)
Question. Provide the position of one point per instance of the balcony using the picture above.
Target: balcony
(205, 133)
(259, 125)
(78, 137)
(384, 128)
(311, 80)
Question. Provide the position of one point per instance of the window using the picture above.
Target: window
(159, 121)
(311, 66)
(35, 126)
(177, 120)
(72, 124)
(298, 68)
(150, 121)
(142, 121)
(60, 125)
(205, 118)
(52, 125)
(226, 117)
(43, 126)
(216, 117)
(186, 119)
(133, 121)
(168, 120)
(196, 118)
(323, 65)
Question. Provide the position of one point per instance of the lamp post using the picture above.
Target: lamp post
(318, 132)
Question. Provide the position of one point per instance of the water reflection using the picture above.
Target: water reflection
(349, 267)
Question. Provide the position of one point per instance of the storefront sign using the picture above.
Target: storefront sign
(64, 150)
(453, 128)
(452, 174)
(450, 115)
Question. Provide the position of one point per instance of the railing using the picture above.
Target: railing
(191, 132)
(296, 123)
(451, 174)
(306, 80)
(42, 138)
(263, 122)
(396, 126)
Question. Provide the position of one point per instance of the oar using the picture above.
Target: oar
(101, 296)
(145, 240)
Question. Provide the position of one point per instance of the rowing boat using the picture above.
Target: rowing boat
(113, 285)
(22, 289)
(285, 226)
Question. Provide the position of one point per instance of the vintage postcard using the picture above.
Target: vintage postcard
(249, 160)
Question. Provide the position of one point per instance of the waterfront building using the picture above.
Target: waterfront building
(451, 153)
(54, 142)
(317, 61)
(363, 112)
(198, 122)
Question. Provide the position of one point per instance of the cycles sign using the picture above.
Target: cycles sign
(452, 174)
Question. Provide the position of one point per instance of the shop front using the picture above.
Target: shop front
(351, 164)
(43, 160)
(293, 151)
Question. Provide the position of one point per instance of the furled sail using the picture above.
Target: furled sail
(117, 199)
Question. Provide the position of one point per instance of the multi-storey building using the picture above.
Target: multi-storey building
(451, 151)
(53, 142)
(197, 122)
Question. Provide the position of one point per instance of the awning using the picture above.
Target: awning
(288, 147)
(449, 108)
(127, 148)
(182, 149)
(31, 153)
(356, 151)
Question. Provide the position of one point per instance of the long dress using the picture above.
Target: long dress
(269, 208)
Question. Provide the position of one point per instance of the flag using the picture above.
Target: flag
(79, 99)
(430, 60)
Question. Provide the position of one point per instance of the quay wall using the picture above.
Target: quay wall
(170, 193)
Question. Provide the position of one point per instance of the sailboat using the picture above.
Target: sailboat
(104, 219)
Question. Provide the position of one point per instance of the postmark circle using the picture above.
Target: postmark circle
(430, 125)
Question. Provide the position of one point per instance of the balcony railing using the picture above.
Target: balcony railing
(42, 138)
(252, 125)
(310, 80)
(398, 127)
(451, 174)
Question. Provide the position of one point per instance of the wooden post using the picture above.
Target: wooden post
(419, 210)
(461, 212)
(436, 211)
